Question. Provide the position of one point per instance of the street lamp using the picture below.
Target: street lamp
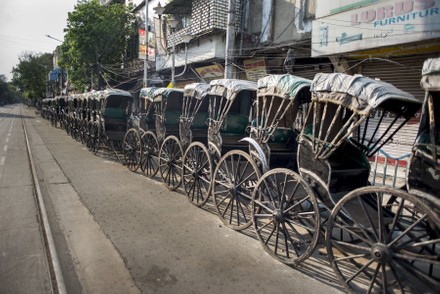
(159, 10)
(61, 75)
(53, 38)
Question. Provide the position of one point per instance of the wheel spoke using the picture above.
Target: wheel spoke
(270, 235)
(368, 215)
(360, 269)
(418, 257)
(373, 279)
(242, 211)
(296, 231)
(298, 203)
(408, 230)
(265, 225)
(259, 203)
(352, 246)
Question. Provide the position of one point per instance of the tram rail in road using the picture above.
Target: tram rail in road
(57, 278)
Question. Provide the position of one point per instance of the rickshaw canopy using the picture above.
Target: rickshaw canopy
(361, 94)
(196, 90)
(286, 86)
(230, 88)
(164, 92)
(431, 75)
(148, 93)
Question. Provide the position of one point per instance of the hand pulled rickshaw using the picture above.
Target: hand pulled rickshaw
(397, 231)
(111, 123)
(140, 123)
(58, 110)
(192, 126)
(75, 117)
(162, 108)
(93, 121)
(69, 117)
(62, 110)
(334, 145)
(84, 117)
(232, 180)
(45, 111)
(278, 115)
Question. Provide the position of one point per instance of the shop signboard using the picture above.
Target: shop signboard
(143, 45)
(255, 68)
(211, 72)
(385, 23)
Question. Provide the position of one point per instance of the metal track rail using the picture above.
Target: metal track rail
(57, 279)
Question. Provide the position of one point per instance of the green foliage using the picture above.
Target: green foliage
(8, 93)
(30, 74)
(96, 34)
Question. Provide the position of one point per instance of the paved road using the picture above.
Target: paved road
(120, 232)
(23, 265)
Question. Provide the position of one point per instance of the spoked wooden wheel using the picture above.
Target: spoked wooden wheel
(197, 173)
(89, 134)
(84, 132)
(94, 138)
(234, 180)
(398, 242)
(170, 162)
(132, 149)
(150, 154)
(286, 216)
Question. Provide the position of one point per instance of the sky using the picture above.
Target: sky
(24, 25)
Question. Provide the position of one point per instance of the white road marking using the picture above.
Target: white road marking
(5, 148)
(7, 140)
(2, 160)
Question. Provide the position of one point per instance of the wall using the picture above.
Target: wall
(292, 21)
(384, 23)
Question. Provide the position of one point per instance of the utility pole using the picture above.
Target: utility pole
(230, 40)
(146, 47)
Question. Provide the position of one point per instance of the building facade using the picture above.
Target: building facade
(387, 40)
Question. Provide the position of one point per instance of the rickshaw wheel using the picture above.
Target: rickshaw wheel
(89, 135)
(397, 244)
(94, 138)
(286, 216)
(170, 162)
(132, 149)
(234, 180)
(84, 132)
(150, 153)
(197, 173)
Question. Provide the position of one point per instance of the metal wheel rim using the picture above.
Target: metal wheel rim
(197, 174)
(132, 149)
(232, 189)
(285, 215)
(170, 162)
(391, 256)
(150, 152)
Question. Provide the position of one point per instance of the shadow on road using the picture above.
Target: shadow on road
(4, 114)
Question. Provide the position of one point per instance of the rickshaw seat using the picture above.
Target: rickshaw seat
(235, 124)
(172, 118)
(200, 120)
(281, 135)
(114, 113)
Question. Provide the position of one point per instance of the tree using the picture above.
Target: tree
(95, 35)
(30, 74)
(8, 94)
